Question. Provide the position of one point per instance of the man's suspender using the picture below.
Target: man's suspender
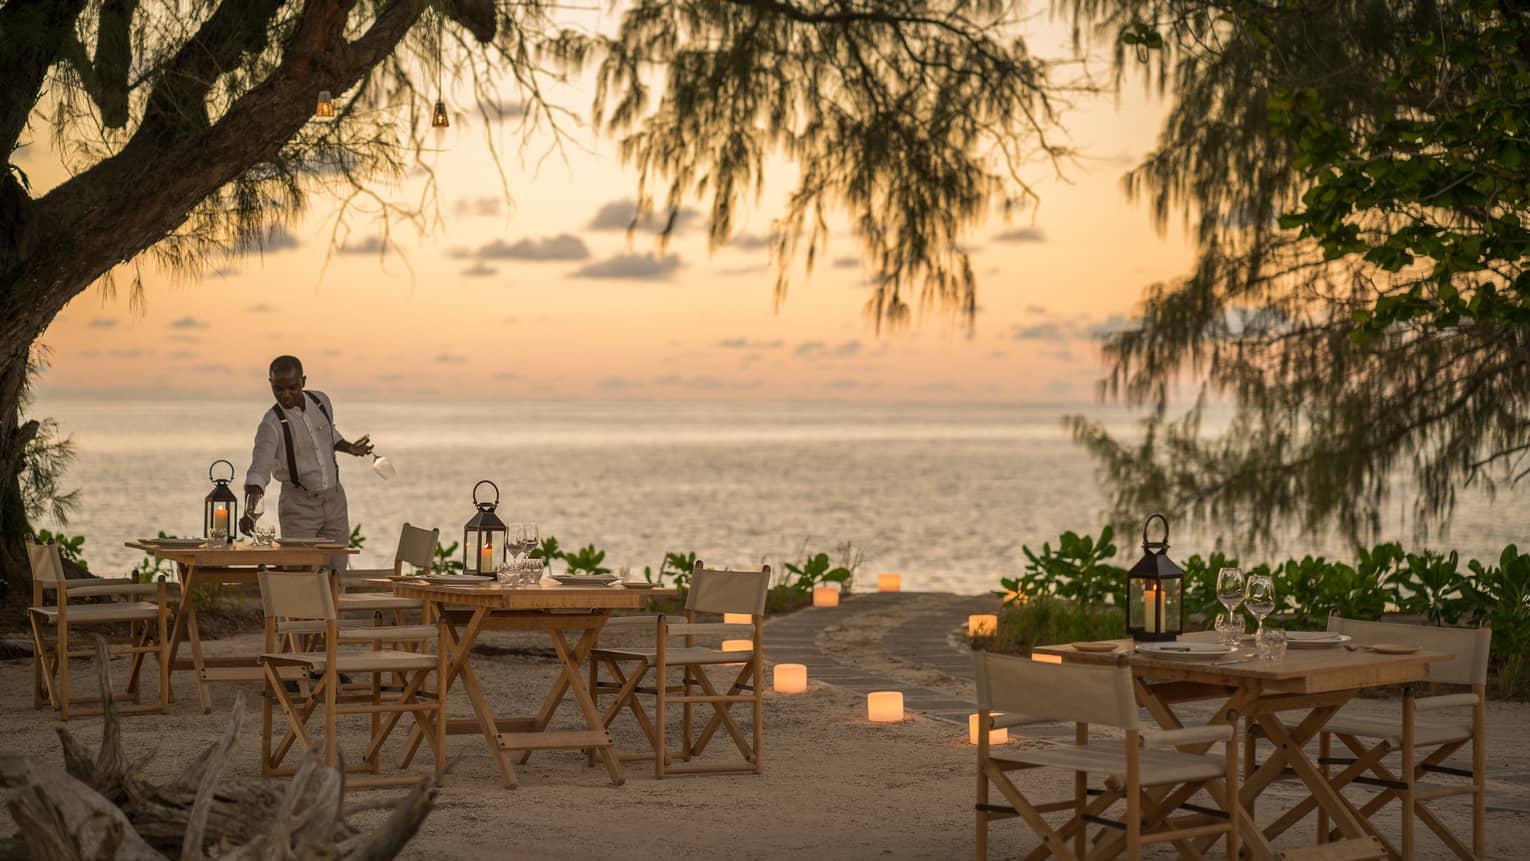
(276, 409)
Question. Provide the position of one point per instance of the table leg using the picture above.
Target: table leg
(561, 685)
(178, 630)
(461, 668)
(570, 680)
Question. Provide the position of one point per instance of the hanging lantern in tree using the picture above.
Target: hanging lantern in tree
(220, 510)
(483, 541)
(1155, 590)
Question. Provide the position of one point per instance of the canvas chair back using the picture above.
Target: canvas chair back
(1037, 692)
(417, 546)
(721, 591)
(297, 594)
(1470, 645)
(47, 566)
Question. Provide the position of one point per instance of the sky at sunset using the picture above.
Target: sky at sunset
(543, 296)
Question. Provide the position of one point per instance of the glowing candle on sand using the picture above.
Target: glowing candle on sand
(790, 678)
(738, 618)
(982, 625)
(884, 707)
(825, 596)
(995, 736)
(889, 583)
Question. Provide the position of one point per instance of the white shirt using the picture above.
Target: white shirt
(313, 445)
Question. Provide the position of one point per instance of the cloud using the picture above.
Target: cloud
(183, 354)
(182, 338)
(1040, 332)
(504, 110)
(820, 350)
(733, 271)
(261, 308)
(187, 322)
(845, 262)
(938, 388)
(271, 240)
(847, 385)
(215, 368)
(749, 242)
(1035, 309)
(564, 246)
(481, 207)
(1108, 326)
(223, 272)
(997, 354)
(618, 214)
(746, 344)
(389, 378)
(479, 270)
(332, 353)
(1021, 234)
(370, 245)
(705, 383)
(635, 267)
(450, 359)
(1059, 387)
(102, 323)
(618, 384)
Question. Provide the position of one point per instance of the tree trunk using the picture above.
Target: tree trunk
(15, 571)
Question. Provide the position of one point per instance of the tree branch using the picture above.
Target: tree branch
(33, 34)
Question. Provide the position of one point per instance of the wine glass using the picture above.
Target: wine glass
(383, 467)
(1260, 600)
(1230, 588)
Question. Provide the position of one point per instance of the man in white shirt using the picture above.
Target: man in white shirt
(296, 444)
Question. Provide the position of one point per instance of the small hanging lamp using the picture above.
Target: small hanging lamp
(325, 109)
(438, 118)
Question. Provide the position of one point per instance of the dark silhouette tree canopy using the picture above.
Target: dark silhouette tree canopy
(188, 131)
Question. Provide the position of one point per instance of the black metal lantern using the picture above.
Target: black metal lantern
(1155, 590)
(220, 510)
(483, 540)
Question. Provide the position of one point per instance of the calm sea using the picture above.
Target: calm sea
(945, 494)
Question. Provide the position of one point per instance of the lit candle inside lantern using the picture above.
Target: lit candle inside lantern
(995, 736)
(884, 706)
(738, 619)
(825, 596)
(486, 558)
(1041, 658)
(889, 583)
(1150, 609)
(790, 678)
(982, 625)
(220, 518)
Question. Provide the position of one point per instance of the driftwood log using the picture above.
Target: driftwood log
(102, 807)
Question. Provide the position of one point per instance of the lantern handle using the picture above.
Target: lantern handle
(1148, 523)
(481, 505)
(214, 464)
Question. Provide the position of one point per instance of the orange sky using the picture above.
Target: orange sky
(463, 314)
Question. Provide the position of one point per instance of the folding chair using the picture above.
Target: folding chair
(1422, 740)
(416, 547)
(302, 603)
(1016, 691)
(712, 591)
(147, 632)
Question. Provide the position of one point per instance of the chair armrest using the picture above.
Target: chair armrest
(1001, 721)
(1444, 701)
(113, 586)
(626, 622)
(317, 626)
(388, 633)
(677, 629)
(1187, 735)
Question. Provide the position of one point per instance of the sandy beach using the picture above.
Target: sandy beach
(835, 785)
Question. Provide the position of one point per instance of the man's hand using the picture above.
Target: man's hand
(246, 525)
(360, 447)
(252, 492)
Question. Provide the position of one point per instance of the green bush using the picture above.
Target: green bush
(1047, 620)
(1501, 595)
(1075, 571)
(446, 559)
(70, 547)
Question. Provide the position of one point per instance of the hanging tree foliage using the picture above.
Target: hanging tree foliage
(1361, 177)
(188, 130)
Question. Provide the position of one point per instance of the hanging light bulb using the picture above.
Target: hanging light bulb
(438, 118)
(325, 109)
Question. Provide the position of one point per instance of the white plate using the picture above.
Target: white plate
(586, 579)
(1315, 639)
(456, 578)
(1186, 651)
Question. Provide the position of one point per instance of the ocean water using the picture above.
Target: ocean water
(945, 494)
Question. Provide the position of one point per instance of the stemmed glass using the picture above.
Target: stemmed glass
(382, 466)
(1231, 585)
(1260, 600)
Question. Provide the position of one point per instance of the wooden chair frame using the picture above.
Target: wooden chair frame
(298, 684)
(417, 547)
(1365, 765)
(148, 633)
(740, 592)
(1086, 696)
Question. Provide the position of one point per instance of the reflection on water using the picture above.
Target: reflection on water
(945, 494)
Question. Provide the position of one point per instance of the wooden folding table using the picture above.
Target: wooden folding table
(470, 609)
(1313, 683)
(200, 568)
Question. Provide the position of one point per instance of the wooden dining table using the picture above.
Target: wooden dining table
(1286, 701)
(205, 568)
(470, 609)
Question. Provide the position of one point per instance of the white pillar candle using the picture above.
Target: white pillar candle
(889, 583)
(1150, 609)
(486, 559)
(738, 618)
(825, 596)
(982, 625)
(790, 678)
(995, 736)
(884, 706)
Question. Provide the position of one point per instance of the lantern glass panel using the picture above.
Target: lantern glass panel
(1137, 617)
(1172, 604)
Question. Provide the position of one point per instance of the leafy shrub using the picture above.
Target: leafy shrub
(678, 566)
(1075, 571)
(356, 539)
(150, 568)
(816, 570)
(446, 559)
(1048, 619)
(1501, 595)
(1200, 597)
(586, 559)
(1430, 585)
